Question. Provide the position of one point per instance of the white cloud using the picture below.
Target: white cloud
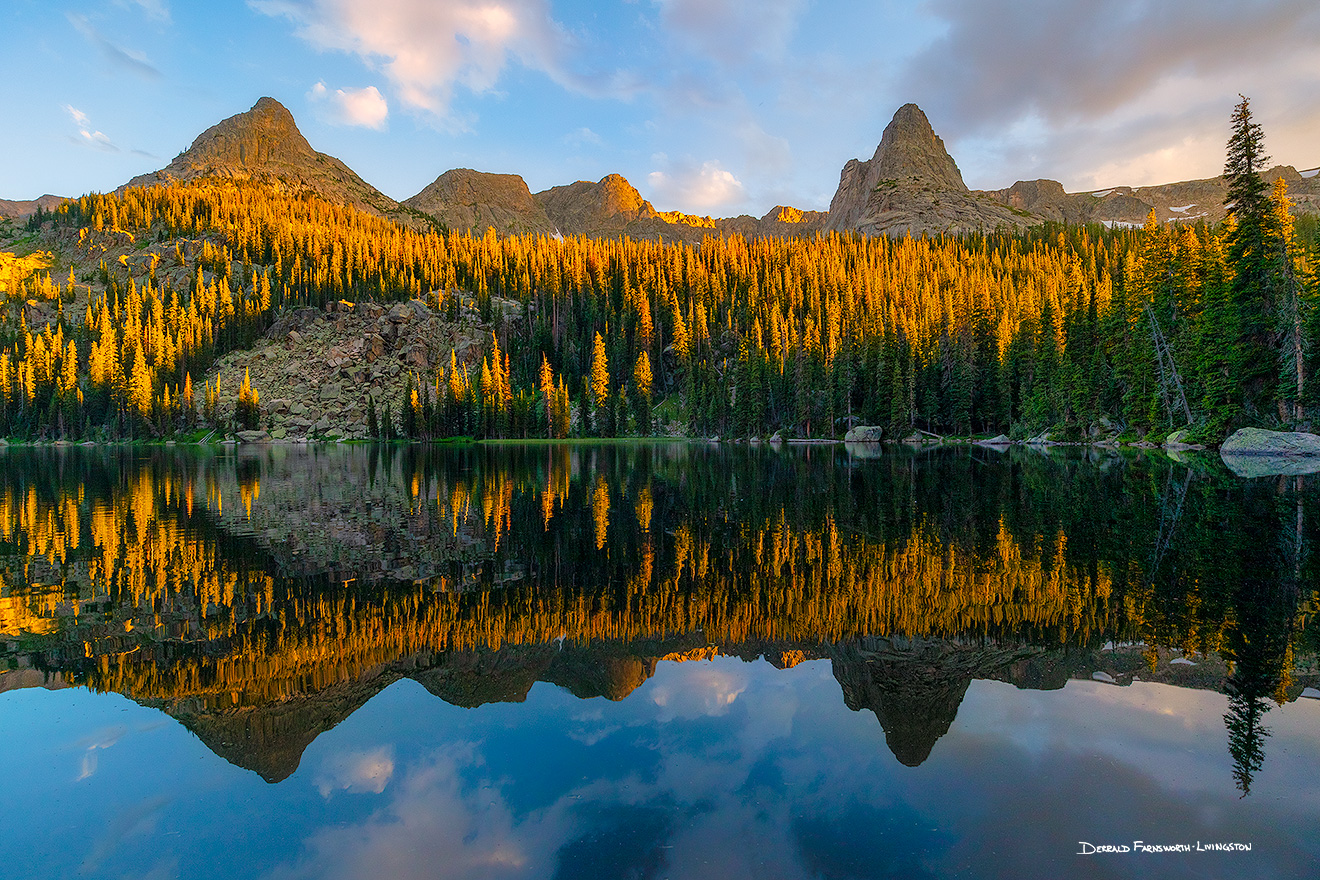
(700, 689)
(427, 48)
(366, 107)
(88, 136)
(694, 188)
(360, 772)
(437, 823)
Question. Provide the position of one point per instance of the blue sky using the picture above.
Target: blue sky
(707, 106)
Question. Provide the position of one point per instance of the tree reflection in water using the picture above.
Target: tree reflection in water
(261, 594)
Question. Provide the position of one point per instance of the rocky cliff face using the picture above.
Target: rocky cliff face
(911, 185)
(265, 144)
(473, 201)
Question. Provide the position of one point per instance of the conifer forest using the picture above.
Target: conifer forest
(1067, 329)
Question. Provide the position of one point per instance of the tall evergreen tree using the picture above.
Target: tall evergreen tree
(1249, 260)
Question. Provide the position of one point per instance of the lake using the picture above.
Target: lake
(655, 661)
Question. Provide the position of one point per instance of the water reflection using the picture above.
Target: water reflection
(261, 596)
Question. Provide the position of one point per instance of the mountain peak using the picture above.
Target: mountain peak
(608, 205)
(244, 145)
(264, 144)
(912, 154)
(911, 185)
(463, 199)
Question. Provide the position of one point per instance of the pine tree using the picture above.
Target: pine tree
(547, 388)
(599, 385)
(1287, 271)
(247, 410)
(1249, 261)
(642, 393)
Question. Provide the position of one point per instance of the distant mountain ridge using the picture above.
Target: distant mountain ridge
(911, 185)
(1129, 206)
(18, 209)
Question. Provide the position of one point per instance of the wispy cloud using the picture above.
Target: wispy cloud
(360, 772)
(582, 137)
(87, 135)
(156, 10)
(125, 59)
(364, 107)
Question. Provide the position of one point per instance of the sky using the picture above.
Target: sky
(707, 106)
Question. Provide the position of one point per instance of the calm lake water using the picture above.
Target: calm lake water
(667, 661)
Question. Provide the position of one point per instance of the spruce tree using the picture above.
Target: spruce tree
(1249, 260)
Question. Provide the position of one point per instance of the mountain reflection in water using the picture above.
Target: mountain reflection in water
(263, 595)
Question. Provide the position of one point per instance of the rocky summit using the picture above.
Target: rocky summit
(265, 144)
(612, 203)
(911, 185)
(474, 201)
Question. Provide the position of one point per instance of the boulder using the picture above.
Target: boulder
(1255, 452)
(1257, 441)
(253, 436)
(863, 434)
(1001, 440)
(401, 313)
(415, 356)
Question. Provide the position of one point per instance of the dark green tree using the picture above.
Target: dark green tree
(1249, 259)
